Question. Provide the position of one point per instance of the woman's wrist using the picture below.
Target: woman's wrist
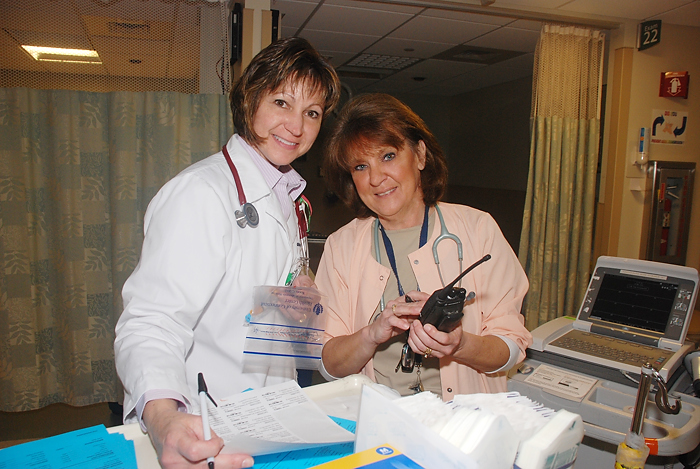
(367, 338)
(156, 408)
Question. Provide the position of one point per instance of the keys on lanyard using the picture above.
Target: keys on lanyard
(302, 207)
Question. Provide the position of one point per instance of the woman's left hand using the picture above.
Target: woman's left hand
(429, 341)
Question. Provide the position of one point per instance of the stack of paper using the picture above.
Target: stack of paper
(274, 419)
(88, 448)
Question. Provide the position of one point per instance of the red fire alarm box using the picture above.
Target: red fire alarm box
(674, 85)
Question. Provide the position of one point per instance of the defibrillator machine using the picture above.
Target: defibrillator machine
(634, 312)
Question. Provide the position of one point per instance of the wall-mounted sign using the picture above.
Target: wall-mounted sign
(674, 85)
(668, 127)
(648, 34)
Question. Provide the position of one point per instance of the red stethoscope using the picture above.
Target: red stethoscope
(248, 215)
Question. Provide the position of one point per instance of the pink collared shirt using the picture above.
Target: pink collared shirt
(285, 182)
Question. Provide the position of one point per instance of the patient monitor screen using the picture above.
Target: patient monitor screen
(635, 302)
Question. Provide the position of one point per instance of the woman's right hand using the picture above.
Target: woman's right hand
(347, 354)
(179, 439)
(396, 317)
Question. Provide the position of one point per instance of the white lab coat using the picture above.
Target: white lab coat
(186, 301)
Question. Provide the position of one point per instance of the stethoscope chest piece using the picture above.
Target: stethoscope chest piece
(248, 216)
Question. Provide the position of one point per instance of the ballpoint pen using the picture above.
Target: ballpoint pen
(203, 396)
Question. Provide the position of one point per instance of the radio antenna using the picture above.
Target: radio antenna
(449, 287)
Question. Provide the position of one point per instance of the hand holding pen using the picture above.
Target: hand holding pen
(203, 396)
(228, 460)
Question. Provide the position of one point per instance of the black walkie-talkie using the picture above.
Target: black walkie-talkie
(443, 310)
(444, 307)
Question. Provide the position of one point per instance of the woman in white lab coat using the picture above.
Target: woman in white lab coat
(203, 253)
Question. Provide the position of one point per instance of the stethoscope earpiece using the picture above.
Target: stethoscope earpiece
(248, 216)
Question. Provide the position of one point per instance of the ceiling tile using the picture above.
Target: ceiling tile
(522, 62)
(35, 38)
(357, 85)
(141, 10)
(293, 13)
(526, 24)
(341, 42)
(33, 5)
(469, 17)
(78, 69)
(441, 30)
(438, 70)
(343, 19)
(14, 58)
(503, 72)
(522, 40)
(187, 13)
(336, 58)
(687, 15)
(340, 29)
(287, 31)
(127, 46)
(453, 86)
(7, 40)
(139, 29)
(52, 19)
(183, 66)
(151, 66)
(393, 7)
(497, 73)
(392, 86)
(398, 47)
(184, 58)
(635, 9)
(531, 4)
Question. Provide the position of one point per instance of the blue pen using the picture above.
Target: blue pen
(203, 395)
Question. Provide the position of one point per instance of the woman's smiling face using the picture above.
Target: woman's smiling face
(288, 121)
(388, 181)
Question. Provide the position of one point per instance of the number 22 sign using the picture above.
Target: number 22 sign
(648, 34)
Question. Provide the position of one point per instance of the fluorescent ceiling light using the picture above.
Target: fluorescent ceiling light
(55, 54)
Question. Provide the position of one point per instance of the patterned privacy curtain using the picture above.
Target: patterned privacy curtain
(557, 233)
(77, 171)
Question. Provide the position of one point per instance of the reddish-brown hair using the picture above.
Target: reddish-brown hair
(379, 119)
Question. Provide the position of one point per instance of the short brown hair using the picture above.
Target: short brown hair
(289, 60)
(379, 119)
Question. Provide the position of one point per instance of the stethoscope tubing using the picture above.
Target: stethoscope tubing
(444, 234)
(248, 215)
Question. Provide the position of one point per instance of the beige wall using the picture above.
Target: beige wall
(489, 145)
(634, 77)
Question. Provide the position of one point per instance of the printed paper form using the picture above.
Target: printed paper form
(562, 383)
(273, 419)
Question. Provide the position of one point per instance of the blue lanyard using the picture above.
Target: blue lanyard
(390, 249)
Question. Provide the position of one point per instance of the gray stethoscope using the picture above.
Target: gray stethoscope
(248, 215)
(444, 234)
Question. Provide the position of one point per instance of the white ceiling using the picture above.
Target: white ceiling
(341, 29)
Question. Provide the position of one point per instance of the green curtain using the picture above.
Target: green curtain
(557, 232)
(77, 171)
